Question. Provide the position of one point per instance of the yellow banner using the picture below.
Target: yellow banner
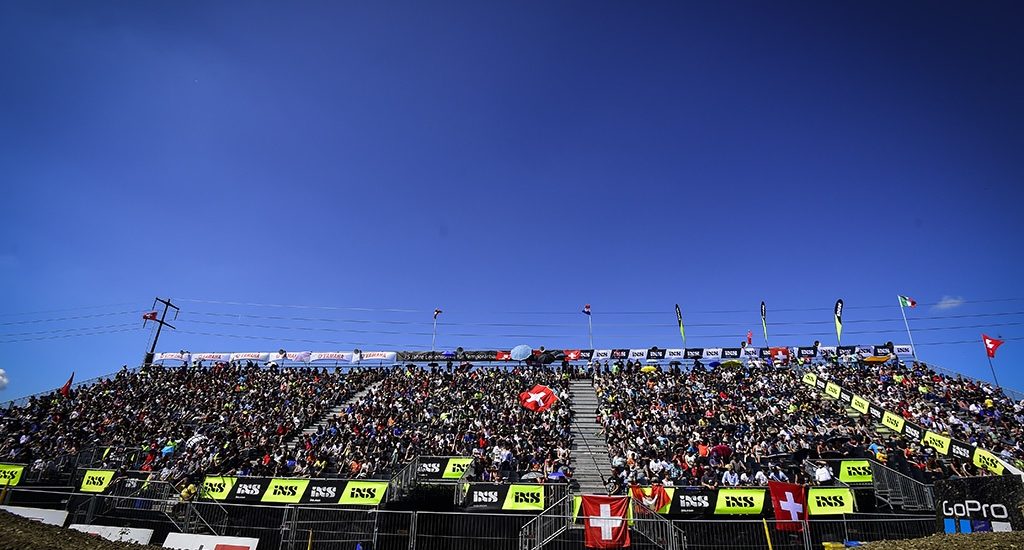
(810, 379)
(217, 488)
(10, 474)
(832, 390)
(288, 491)
(524, 497)
(739, 501)
(96, 481)
(364, 493)
(855, 471)
(893, 422)
(825, 502)
(859, 404)
(456, 467)
(989, 461)
(938, 442)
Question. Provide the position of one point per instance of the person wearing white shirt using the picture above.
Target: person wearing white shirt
(729, 478)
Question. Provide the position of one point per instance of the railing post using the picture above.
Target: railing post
(412, 531)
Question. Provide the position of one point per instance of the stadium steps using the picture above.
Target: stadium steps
(589, 450)
(331, 415)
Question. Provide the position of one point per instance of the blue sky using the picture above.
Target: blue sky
(495, 159)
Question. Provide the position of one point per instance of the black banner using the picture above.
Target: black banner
(960, 450)
(846, 350)
(765, 353)
(807, 352)
(875, 411)
(693, 353)
(973, 504)
(886, 349)
(655, 353)
(586, 354)
(620, 353)
(692, 502)
(731, 353)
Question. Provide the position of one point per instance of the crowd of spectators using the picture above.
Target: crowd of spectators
(178, 421)
(746, 423)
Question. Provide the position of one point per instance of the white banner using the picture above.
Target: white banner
(673, 354)
(827, 350)
(250, 356)
(750, 352)
(330, 356)
(181, 541)
(116, 534)
(184, 357)
(712, 353)
(297, 356)
(904, 349)
(42, 515)
(602, 353)
(219, 357)
(375, 356)
(638, 353)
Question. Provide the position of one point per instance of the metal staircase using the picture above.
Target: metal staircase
(589, 450)
(899, 491)
(547, 525)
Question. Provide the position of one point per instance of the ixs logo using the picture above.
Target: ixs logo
(485, 497)
(362, 492)
(286, 491)
(215, 486)
(858, 470)
(971, 508)
(830, 501)
(912, 432)
(526, 498)
(987, 462)
(739, 501)
(8, 475)
(429, 467)
(961, 452)
(95, 481)
(694, 501)
(252, 489)
(317, 491)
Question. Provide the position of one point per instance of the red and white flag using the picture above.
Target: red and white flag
(65, 390)
(605, 525)
(572, 354)
(991, 345)
(538, 399)
(503, 356)
(780, 356)
(655, 498)
(149, 316)
(790, 504)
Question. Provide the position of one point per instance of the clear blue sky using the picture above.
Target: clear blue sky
(492, 158)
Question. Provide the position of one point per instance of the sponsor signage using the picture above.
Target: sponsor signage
(250, 356)
(960, 450)
(829, 501)
(340, 356)
(96, 481)
(175, 356)
(116, 534)
(693, 353)
(911, 431)
(806, 353)
(731, 353)
(936, 441)
(989, 461)
(218, 487)
(524, 497)
(656, 353)
(874, 411)
(217, 357)
(674, 354)
(638, 354)
(363, 493)
(456, 467)
(860, 404)
(42, 515)
(288, 491)
(691, 501)
(810, 378)
(620, 353)
(324, 491)
(294, 491)
(855, 471)
(182, 541)
(881, 351)
(10, 474)
(832, 390)
(739, 502)
(713, 353)
(971, 504)
(846, 350)
(495, 496)
(904, 350)
(893, 422)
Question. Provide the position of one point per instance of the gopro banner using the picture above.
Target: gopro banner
(979, 504)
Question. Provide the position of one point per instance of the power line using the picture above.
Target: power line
(69, 335)
(58, 331)
(71, 318)
(78, 308)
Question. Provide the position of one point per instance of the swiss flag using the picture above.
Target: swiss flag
(572, 354)
(780, 356)
(655, 498)
(991, 345)
(605, 524)
(149, 316)
(504, 356)
(538, 399)
(790, 505)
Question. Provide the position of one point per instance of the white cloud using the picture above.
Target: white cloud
(3, 379)
(949, 302)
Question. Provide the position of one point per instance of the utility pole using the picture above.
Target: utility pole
(160, 325)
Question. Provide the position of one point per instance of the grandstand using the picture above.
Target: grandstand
(433, 449)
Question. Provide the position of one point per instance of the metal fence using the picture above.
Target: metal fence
(333, 528)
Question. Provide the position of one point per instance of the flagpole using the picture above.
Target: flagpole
(590, 330)
(993, 369)
(913, 348)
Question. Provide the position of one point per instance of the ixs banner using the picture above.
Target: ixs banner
(855, 471)
(493, 496)
(823, 501)
(96, 481)
(739, 502)
(182, 541)
(832, 390)
(860, 404)
(448, 468)
(969, 504)
(10, 474)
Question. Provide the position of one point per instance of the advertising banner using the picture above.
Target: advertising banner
(116, 534)
(822, 501)
(855, 471)
(970, 504)
(10, 474)
(182, 541)
(739, 501)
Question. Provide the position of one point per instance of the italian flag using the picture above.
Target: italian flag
(907, 301)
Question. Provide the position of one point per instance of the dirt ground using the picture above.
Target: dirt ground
(18, 533)
(974, 541)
